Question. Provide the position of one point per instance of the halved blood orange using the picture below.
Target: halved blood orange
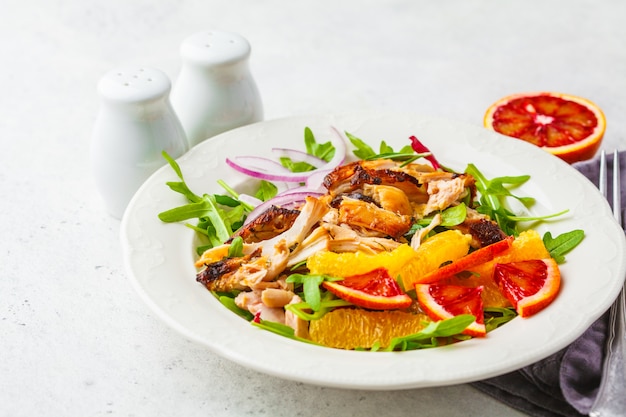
(375, 290)
(440, 302)
(567, 126)
(529, 285)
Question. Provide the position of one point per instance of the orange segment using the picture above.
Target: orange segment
(355, 263)
(567, 126)
(442, 302)
(529, 285)
(375, 290)
(347, 328)
(433, 252)
(402, 261)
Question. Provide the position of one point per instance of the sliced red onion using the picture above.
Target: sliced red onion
(300, 190)
(316, 179)
(260, 163)
(279, 201)
(340, 155)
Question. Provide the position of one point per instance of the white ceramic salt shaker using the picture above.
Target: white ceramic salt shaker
(135, 124)
(215, 91)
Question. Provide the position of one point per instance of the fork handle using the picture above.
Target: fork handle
(611, 399)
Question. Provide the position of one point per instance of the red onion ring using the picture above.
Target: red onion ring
(340, 155)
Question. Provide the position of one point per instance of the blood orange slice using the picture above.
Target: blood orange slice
(567, 126)
(529, 285)
(375, 290)
(440, 302)
(478, 257)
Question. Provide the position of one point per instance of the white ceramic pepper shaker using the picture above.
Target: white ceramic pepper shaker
(135, 124)
(215, 91)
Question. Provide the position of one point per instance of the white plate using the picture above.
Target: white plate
(159, 257)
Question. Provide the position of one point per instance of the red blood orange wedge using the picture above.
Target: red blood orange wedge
(567, 126)
(440, 302)
(375, 290)
(479, 256)
(529, 285)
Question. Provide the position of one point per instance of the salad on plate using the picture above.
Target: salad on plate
(388, 250)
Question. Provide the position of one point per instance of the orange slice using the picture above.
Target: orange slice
(529, 285)
(375, 290)
(351, 328)
(567, 126)
(442, 302)
(478, 257)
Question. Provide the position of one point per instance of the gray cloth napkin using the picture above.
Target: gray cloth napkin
(566, 383)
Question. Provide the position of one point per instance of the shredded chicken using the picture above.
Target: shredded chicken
(370, 207)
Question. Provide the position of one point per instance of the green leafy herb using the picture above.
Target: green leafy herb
(280, 329)
(366, 152)
(429, 336)
(324, 151)
(492, 200)
(229, 303)
(311, 287)
(303, 309)
(267, 191)
(496, 317)
(562, 244)
(295, 166)
(218, 215)
(235, 250)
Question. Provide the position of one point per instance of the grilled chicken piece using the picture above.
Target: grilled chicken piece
(226, 274)
(268, 224)
(345, 239)
(445, 193)
(369, 216)
(351, 177)
(483, 230)
(389, 198)
(262, 261)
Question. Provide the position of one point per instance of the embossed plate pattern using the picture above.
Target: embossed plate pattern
(159, 257)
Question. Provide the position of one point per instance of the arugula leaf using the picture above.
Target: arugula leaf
(562, 244)
(493, 194)
(266, 191)
(327, 304)
(363, 150)
(292, 166)
(280, 329)
(179, 187)
(366, 152)
(229, 302)
(311, 287)
(428, 336)
(324, 151)
(497, 316)
(235, 250)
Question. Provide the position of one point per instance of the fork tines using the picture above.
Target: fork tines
(616, 189)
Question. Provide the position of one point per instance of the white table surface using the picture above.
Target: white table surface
(75, 340)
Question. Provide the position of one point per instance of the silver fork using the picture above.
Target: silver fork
(611, 400)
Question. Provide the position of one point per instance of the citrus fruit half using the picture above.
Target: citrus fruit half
(440, 302)
(375, 290)
(529, 285)
(567, 126)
